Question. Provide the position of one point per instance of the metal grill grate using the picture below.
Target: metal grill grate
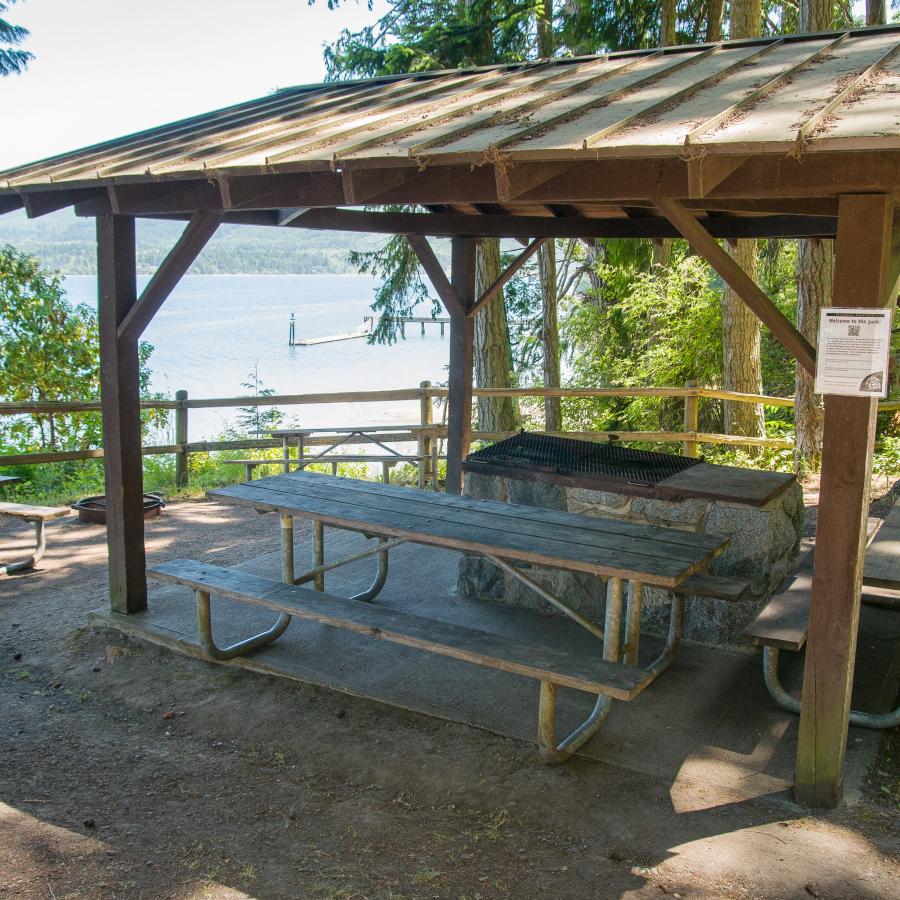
(567, 456)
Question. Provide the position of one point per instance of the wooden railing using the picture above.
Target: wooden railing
(690, 437)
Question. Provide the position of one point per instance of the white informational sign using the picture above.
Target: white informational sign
(853, 351)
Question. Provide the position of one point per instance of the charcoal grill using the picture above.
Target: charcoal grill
(580, 463)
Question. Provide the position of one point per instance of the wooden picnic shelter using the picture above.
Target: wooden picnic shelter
(788, 137)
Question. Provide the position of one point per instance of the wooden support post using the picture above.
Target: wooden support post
(120, 398)
(691, 421)
(462, 335)
(181, 437)
(423, 451)
(861, 274)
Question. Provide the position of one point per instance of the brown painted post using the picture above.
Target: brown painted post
(120, 399)
(423, 451)
(861, 274)
(462, 333)
(691, 420)
(181, 436)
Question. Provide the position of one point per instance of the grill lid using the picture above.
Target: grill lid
(568, 456)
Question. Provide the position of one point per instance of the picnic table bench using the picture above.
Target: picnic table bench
(507, 535)
(783, 624)
(37, 515)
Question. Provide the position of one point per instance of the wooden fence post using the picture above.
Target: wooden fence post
(426, 418)
(181, 437)
(691, 420)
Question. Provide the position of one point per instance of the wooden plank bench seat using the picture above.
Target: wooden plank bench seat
(33, 513)
(553, 667)
(716, 587)
(783, 623)
(37, 515)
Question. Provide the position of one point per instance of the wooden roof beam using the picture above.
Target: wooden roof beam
(707, 172)
(40, 203)
(289, 191)
(450, 225)
(199, 230)
(172, 196)
(741, 283)
(10, 203)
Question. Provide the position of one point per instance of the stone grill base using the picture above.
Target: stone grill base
(763, 549)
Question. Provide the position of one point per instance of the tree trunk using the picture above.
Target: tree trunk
(550, 334)
(740, 327)
(815, 277)
(662, 249)
(545, 36)
(493, 360)
(741, 346)
(746, 18)
(876, 12)
(816, 15)
(667, 23)
(714, 21)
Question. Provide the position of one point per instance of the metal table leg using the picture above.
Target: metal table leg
(40, 540)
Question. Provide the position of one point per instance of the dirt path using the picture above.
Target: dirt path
(131, 772)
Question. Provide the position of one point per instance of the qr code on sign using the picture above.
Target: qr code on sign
(853, 330)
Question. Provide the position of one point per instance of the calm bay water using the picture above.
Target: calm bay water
(215, 329)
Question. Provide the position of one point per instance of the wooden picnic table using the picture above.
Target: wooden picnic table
(8, 479)
(362, 434)
(625, 553)
(608, 547)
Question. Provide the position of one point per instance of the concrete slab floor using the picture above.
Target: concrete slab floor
(707, 726)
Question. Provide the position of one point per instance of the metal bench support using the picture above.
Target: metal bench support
(40, 540)
(556, 753)
(204, 626)
(876, 721)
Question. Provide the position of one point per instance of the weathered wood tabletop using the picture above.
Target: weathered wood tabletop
(607, 547)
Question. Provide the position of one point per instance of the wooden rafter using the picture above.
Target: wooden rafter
(505, 276)
(435, 272)
(199, 230)
(741, 283)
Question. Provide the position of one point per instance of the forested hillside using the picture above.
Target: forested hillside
(66, 243)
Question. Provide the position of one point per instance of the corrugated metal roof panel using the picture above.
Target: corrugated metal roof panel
(750, 97)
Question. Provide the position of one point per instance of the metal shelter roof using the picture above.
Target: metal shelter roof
(493, 134)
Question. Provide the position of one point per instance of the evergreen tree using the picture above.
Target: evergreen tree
(12, 59)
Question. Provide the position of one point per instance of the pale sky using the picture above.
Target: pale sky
(105, 68)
